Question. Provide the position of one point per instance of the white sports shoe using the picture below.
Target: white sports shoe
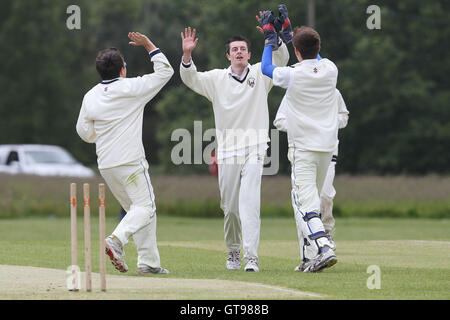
(323, 260)
(234, 260)
(252, 265)
(302, 266)
(114, 249)
(148, 270)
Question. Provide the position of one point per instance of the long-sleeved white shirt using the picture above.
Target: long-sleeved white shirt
(280, 121)
(111, 114)
(240, 105)
(311, 104)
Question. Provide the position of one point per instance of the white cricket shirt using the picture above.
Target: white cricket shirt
(111, 114)
(280, 121)
(240, 105)
(311, 104)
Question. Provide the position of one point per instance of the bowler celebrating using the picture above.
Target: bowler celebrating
(111, 116)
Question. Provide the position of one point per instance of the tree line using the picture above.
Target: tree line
(393, 79)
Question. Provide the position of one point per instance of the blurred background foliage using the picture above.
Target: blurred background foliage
(394, 80)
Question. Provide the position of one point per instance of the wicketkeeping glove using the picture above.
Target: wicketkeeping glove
(266, 22)
(283, 24)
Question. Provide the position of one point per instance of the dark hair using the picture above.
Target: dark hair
(307, 41)
(237, 38)
(108, 63)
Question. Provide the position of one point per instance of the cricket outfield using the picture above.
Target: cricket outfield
(378, 259)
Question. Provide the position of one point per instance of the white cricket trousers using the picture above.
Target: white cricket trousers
(327, 196)
(131, 186)
(308, 174)
(240, 193)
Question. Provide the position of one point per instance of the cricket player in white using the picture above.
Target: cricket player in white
(239, 99)
(111, 116)
(312, 127)
(328, 191)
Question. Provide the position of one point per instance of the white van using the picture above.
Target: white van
(43, 160)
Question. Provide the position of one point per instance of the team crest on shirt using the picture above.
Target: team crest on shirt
(106, 89)
(251, 82)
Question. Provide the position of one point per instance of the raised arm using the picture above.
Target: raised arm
(280, 57)
(188, 43)
(266, 63)
(282, 24)
(200, 82)
(141, 40)
(150, 84)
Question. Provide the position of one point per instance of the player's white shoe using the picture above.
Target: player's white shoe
(150, 270)
(114, 250)
(302, 266)
(234, 260)
(252, 265)
(324, 260)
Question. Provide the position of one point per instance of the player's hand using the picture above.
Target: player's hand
(283, 24)
(266, 21)
(139, 39)
(188, 40)
(258, 18)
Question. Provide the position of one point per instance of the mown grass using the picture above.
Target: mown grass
(413, 254)
(198, 196)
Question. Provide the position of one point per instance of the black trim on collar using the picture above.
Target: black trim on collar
(243, 79)
(109, 81)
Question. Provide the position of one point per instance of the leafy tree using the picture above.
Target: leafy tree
(394, 80)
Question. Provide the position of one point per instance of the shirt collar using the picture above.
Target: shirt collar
(243, 75)
(307, 61)
(109, 81)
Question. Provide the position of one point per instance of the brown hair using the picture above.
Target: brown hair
(237, 38)
(109, 62)
(307, 41)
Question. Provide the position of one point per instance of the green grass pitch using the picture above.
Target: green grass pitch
(413, 256)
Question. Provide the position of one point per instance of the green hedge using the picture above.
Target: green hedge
(211, 209)
(26, 196)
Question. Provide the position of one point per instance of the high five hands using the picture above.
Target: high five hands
(281, 24)
(188, 42)
(139, 39)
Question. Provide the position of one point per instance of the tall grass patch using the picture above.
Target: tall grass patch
(198, 196)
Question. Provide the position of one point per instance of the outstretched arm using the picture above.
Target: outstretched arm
(150, 84)
(200, 82)
(281, 76)
(280, 52)
(266, 64)
(141, 40)
(188, 43)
